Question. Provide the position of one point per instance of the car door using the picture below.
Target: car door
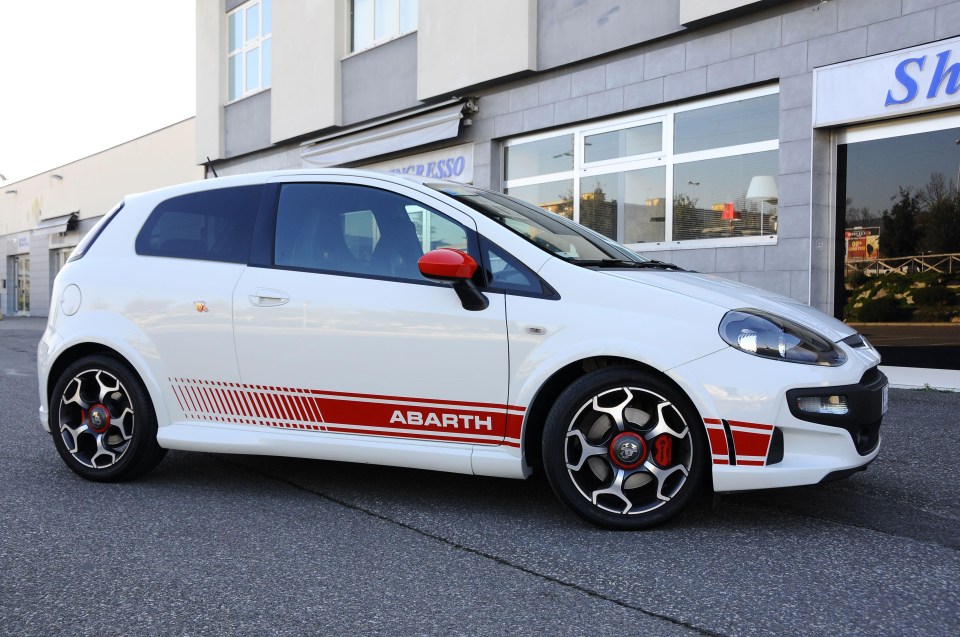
(337, 331)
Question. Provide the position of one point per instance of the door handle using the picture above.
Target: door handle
(265, 297)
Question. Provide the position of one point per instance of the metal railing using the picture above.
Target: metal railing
(942, 263)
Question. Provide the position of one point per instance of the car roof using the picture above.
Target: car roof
(256, 178)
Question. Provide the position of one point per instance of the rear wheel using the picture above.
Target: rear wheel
(624, 449)
(102, 421)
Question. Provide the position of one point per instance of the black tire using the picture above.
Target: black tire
(631, 475)
(102, 421)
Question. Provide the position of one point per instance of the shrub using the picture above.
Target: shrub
(934, 296)
(884, 310)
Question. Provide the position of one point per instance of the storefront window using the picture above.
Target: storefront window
(540, 157)
(898, 240)
(740, 122)
(627, 142)
(681, 176)
(713, 198)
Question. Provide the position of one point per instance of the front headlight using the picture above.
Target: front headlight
(770, 336)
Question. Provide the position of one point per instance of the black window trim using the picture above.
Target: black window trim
(548, 291)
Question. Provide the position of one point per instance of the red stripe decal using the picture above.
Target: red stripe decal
(718, 441)
(747, 443)
(359, 414)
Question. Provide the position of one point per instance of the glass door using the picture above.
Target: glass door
(21, 267)
(898, 238)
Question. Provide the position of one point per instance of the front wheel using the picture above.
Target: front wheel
(624, 449)
(102, 421)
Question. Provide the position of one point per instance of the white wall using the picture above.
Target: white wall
(211, 79)
(691, 10)
(307, 46)
(94, 184)
(461, 43)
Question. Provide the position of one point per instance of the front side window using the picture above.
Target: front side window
(377, 21)
(213, 225)
(358, 230)
(685, 174)
(249, 48)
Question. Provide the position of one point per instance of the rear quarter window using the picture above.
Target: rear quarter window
(213, 225)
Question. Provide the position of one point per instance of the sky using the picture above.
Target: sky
(78, 77)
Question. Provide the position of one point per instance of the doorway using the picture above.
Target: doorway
(898, 238)
(21, 285)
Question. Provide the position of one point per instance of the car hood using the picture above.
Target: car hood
(737, 296)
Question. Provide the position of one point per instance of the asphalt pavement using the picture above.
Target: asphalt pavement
(211, 544)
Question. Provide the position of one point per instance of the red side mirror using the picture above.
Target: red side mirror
(447, 264)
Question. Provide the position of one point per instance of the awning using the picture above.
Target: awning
(53, 225)
(388, 135)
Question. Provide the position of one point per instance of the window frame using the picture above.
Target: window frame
(255, 44)
(666, 157)
(395, 33)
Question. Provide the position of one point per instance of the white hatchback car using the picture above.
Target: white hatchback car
(376, 318)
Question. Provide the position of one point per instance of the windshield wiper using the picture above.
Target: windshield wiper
(625, 263)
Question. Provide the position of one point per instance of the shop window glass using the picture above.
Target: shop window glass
(740, 122)
(376, 21)
(644, 205)
(249, 49)
(616, 182)
(541, 157)
(898, 245)
(726, 197)
(555, 196)
(599, 198)
(638, 140)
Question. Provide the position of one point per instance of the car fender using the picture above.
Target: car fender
(125, 338)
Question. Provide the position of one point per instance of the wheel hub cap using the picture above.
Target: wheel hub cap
(99, 418)
(628, 450)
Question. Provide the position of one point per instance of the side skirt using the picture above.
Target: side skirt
(452, 457)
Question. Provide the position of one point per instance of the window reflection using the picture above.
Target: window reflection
(599, 198)
(898, 247)
(622, 174)
(645, 204)
(555, 196)
(710, 197)
(740, 122)
(638, 140)
(541, 157)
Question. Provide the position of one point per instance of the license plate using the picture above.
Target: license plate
(885, 399)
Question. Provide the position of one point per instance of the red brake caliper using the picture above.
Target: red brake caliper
(663, 450)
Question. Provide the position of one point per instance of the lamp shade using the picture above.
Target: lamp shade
(762, 187)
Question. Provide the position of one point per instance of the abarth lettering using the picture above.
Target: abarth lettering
(430, 419)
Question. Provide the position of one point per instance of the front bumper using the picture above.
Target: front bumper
(756, 441)
(866, 403)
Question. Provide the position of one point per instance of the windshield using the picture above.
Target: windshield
(555, 234)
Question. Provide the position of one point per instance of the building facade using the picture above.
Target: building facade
(42, 218)
(759, 140)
